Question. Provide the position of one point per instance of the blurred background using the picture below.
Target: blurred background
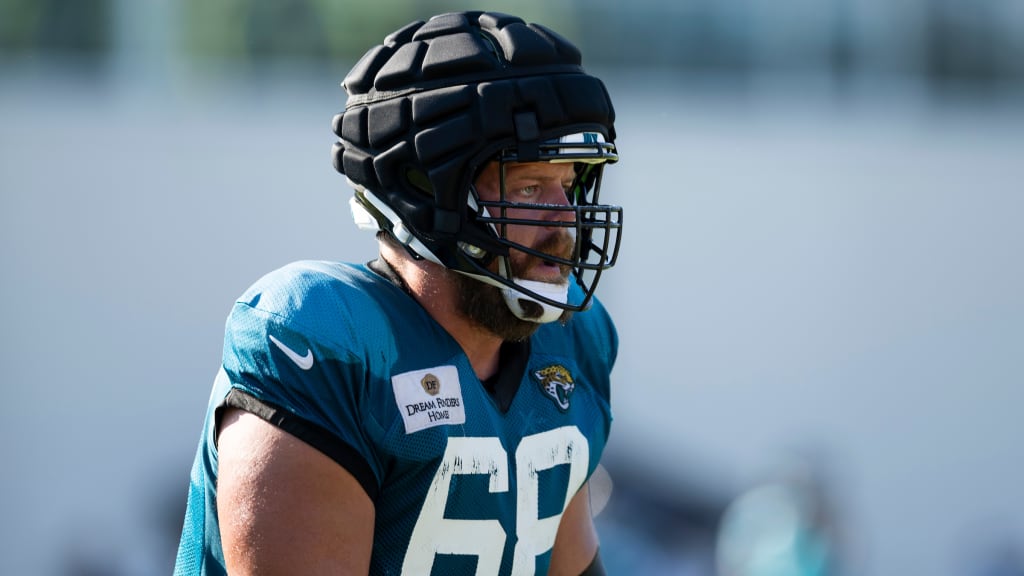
(820, 294)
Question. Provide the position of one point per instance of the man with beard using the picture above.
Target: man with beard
(440, 409)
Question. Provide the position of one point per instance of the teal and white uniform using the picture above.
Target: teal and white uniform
(467, 477)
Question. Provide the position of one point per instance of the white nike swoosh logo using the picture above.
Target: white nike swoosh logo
(304, 362)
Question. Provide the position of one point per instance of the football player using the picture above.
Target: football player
(440, 409)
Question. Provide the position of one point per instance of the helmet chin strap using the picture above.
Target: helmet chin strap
(526, 308)
(522, 305)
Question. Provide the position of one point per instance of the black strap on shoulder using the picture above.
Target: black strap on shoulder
(596, 568)
(314, 435)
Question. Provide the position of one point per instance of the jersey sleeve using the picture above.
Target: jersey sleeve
(287, 368)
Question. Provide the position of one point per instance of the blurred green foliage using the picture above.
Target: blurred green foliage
(324, 29)
(941, 40)
(56, 26)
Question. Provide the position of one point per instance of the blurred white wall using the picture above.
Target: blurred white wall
(838, 281)
(804, 272)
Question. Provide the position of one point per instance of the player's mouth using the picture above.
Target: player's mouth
(550, 265)
(549, 271)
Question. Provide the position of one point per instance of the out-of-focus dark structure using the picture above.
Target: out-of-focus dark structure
(945, 43)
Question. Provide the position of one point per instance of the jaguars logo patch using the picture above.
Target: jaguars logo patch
(556, 383)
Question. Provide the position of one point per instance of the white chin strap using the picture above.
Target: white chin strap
(531, 310)
(523, 306)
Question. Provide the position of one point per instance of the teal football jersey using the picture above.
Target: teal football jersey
(464, 480)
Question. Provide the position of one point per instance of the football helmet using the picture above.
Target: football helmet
(435, 103)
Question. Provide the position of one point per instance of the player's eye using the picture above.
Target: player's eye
(528, 192)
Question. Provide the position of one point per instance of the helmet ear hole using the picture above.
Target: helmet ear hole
(419, 180)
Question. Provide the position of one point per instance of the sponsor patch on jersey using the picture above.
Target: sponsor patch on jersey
(556, 383)
(428, 398)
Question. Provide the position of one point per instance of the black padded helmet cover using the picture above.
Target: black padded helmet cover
(428, 107)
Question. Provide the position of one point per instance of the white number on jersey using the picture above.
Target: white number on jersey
(485, 539)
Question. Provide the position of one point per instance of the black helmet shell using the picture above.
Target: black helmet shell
(439, 98)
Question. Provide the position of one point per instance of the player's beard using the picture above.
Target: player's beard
(485, 305)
